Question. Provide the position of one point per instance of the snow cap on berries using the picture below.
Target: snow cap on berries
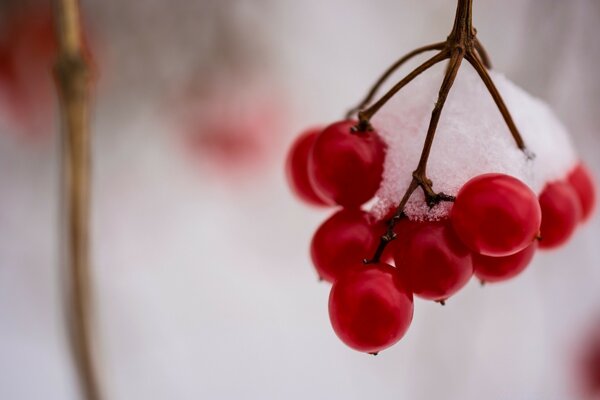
(471, 139)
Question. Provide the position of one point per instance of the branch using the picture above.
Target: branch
(419, 175)
(73, 81)
(389, 72)
(487, 80)
(365, 116)
(447, 83)
(483, 55)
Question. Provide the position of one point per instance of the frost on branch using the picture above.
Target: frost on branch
(471, 139)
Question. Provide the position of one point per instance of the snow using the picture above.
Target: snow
(472, 138)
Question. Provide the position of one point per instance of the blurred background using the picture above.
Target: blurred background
(202, 282)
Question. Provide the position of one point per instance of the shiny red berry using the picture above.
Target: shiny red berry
(581, 180)
(343, 241)
(434, 260)
(370, 308)
(496, 215)
(561, 212)
(296, 168)
(346, 166)
(498, 269)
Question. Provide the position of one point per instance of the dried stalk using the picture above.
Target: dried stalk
(73, 83)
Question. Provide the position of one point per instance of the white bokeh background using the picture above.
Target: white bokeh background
(203, 285)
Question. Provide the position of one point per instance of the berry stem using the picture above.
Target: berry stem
(375, 88)
(463, 22)
(487, 80)
(365, 116)
(73, 81)
(390, 235)
(462, 36)
(483, 55)
(461, 43)
(453, 67)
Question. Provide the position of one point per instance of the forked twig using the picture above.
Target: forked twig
(420, 174)
(366, 115)
(487, 80)
(483, 55)
(461, 43)
(393, 68)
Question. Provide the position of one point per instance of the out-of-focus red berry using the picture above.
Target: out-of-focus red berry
(496, 215)
(27, 54)
(343, 241)
(345, 166)
(296, 168)
(588, 364)
(498, 269)
(561, 212)
(434, 260)
(581, 180)
(370, 308)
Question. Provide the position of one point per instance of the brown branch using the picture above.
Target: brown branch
(447, 83)
(366, 115)
(73, 82)
(487, 80)
(420, 174)
(461, 43)
(375, 88)
(483, 55)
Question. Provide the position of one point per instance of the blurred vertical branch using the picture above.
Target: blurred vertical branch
(73, 82)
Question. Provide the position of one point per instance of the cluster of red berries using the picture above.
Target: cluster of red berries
(493, 230)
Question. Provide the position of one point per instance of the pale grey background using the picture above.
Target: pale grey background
(204, 287)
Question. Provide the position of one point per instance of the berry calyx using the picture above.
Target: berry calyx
(296, 168)
(496, 215)
(561, 212)
(434, 260)
(346, 166)
(370, 308)
(343, 241)
(581, 180)
(498, 269)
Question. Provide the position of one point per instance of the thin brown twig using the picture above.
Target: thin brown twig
(420, 174)
(461, 43)
(487, 80)
(364, 116)
(73, 82)
(483, 54)
(384, 77)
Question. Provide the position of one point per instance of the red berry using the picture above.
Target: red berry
(561, 211)
(588, 367)
(296, 168)
(25, 73)
(497, 269)
(370, 308)
(496, 215)
(433, 259)
(582, 182)
(346, 166)
(344, 240)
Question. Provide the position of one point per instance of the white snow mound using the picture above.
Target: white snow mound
(472, 138)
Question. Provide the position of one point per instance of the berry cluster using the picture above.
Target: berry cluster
(492, 231)
(493, 228)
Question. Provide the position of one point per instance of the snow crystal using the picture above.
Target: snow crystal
(472, 138)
